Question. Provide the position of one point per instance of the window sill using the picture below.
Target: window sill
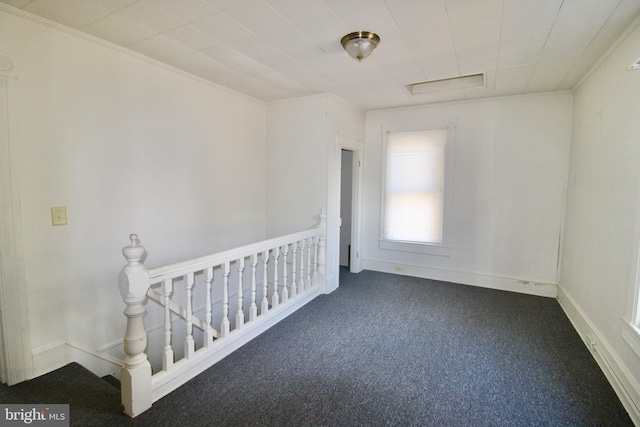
(631, 334)
(419, 248)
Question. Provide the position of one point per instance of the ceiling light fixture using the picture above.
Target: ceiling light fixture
(360, 44)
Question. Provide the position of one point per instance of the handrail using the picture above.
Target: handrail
(180, 268)
(282, 291)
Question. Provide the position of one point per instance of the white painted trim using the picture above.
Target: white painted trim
(357, 147)
(619, 375)
(633, 305)
(110, 346)
(60, 353)
(48, 358)
(483, 280)
(96, 362)
(55, 355)
(16, 337)
(4, 371)
(609, 52)
(419, 248)
(332, 284)
(631, 335)
(633, 309)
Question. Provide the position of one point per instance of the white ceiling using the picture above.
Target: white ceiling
(277, 49)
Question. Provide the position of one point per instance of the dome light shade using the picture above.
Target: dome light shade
(360, 44)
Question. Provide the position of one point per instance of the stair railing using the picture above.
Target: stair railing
(277, 276)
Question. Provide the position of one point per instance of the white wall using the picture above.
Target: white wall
(303, 166)
(509, 176)
(127, 146)
(297, 132)
(602, 229)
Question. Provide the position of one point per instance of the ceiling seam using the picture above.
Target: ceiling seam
(590, 43)
(526, 87)
(495, 77)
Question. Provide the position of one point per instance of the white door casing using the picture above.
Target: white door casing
(16, 364)
(357, 147)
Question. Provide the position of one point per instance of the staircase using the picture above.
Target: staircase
(93, 401)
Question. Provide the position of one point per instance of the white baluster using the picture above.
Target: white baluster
(321, 251)
(316, 241)
(275, 297)
(294, 285)
(302, 276)
(253, 308)
(240, 313)
(167, 356)
(135, 375)
(224, 327)
(285, 289)
(307, 282)
(264, 306)
(189, 344)
(208, 333)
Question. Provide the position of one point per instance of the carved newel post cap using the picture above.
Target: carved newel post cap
(323, 220)
(134, 278)
(134, 252)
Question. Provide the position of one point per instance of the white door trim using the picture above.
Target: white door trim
(15, 346)
(357, 147)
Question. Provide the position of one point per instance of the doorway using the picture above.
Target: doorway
(350, 176)
(346, 208)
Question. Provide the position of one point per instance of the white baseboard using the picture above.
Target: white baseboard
(99, 363)
(623, 382)
(331, 284)
(48, 358)
(483, 280)
(60, 353)
(101, 360)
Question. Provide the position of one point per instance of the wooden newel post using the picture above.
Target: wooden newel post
(135, 374)
(322, 249)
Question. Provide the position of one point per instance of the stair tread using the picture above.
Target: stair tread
(110, 379)
(70, 384)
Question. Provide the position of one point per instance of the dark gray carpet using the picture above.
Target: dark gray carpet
(381, 350)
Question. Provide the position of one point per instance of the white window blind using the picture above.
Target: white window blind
(414, 186)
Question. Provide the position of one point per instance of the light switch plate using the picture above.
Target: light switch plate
(59, 215)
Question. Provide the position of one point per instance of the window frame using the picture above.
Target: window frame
(438, 249)
(630, 330)
(631, 325)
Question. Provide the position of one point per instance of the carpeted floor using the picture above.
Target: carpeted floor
(381, 350)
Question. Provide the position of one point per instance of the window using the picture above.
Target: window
(414, 206)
